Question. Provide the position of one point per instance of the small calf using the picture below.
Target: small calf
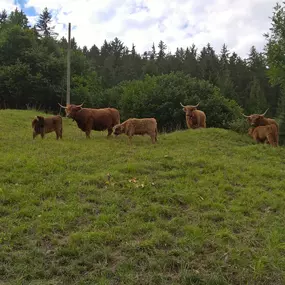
(135, 126)
(265, 134)
(43, 126)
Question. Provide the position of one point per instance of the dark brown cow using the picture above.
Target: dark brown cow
(265, 134)
(88, 119)
(43, 126)
(135, 126)
(256, 120)
(194, 118)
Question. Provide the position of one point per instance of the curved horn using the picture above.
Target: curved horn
(265, 112)
(62, 106)
(80, 105)
(182, 105)
(245, 115)
(197, 104)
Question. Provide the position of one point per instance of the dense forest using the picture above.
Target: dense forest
(33, 75)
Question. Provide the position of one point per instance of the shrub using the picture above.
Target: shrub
(159, 97)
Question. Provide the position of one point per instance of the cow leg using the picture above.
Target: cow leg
(60, 133)
(110, 131)
(88, 134)
(198, 122)
(130, 139)
(203, 125)
(271, 140)
(189, 123)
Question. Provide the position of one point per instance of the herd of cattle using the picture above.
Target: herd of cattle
(263, 130)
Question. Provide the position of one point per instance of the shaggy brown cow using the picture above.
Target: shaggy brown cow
(43, 126)
(135, 126)
(194, 118)
(88, 119)
(265, 134)
(256, 120)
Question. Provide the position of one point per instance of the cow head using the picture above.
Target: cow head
(71, 109)
(38, 123)
(188, 109)
(118, 129)
(255, 119)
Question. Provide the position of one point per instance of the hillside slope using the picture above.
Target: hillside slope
(199, 207)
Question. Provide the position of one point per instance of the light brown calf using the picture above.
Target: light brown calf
(265, 134)
(135, 126)
(43, 126)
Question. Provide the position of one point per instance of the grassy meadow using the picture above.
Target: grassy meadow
(199, 207)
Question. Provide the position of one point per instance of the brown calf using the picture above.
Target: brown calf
(265, 134)
(43, 126)
(135, 126)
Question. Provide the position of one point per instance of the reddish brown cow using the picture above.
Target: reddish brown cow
(194, 118)
(88, 119)
(265, 134)
(43, 126)
(135, 126)
(256, 120)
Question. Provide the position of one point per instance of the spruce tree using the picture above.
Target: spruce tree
(43, 24)
(3, 17)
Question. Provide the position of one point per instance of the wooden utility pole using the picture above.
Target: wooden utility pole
(68, 67)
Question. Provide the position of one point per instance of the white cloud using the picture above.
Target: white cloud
(8, 5)
(237, 23)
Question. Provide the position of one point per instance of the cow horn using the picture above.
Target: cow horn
(62, 106)
(182, 105)
(197, 105)
(265, 112)
(80, 105)
(245, 115)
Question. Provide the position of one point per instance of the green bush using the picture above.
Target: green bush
(159, 97)
(239, 125)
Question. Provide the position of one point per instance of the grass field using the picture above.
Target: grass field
(199, 207)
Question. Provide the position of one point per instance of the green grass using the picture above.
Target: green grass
(199, 207)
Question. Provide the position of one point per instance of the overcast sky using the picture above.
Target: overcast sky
(237, 23)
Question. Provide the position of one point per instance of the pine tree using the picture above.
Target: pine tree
(224, 57)
(153, 52)
(85, 50)
(162, 48)
(18, 18)
(43, 24)
(257, 102)
(134, 53)
(3, 17)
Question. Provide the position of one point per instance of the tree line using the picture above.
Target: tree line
(33, 74)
